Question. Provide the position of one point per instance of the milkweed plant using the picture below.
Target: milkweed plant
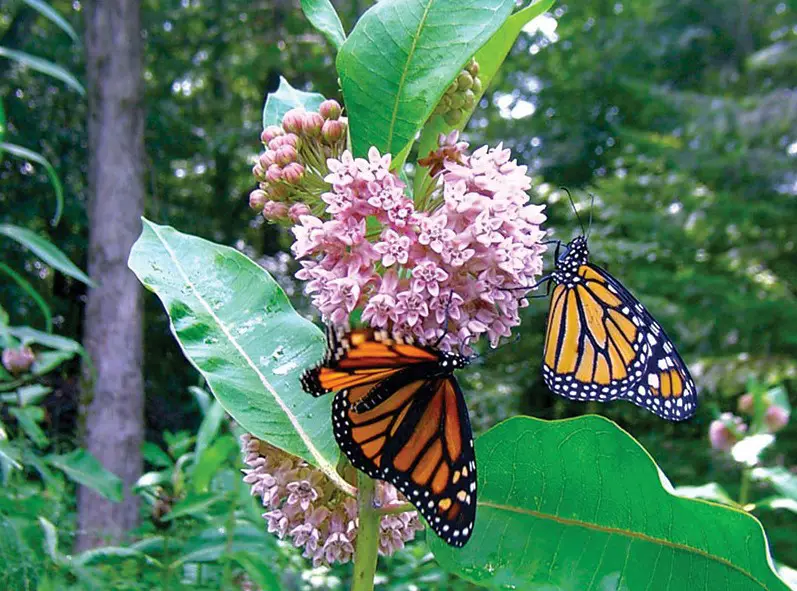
(398, 224)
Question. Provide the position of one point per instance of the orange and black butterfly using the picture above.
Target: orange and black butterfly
(400, 416)
(602, 344)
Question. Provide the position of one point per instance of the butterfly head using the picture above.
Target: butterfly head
(576, 254)
(450, 361)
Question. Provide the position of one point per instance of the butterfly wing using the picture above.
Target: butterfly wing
(419, 439)
(601, 344)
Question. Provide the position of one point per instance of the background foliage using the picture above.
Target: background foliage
(677, 118)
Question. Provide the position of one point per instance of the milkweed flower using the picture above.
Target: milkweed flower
(726, 431)
(304, 507)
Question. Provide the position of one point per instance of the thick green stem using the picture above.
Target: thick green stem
(744, 489)
(367, 536)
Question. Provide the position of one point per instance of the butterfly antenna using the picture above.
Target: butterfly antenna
(591, 208)
(573, 205)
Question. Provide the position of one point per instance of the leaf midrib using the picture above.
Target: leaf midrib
(403, 78)
(321, 462)
(621, 532)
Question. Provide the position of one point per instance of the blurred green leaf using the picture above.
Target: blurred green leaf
(100, 555)
(155, 455)
(400, 58)
(52, 15)
(203, 398)
(212, 458)
(44, 66)
(322, 16)
(247, 341)
(26, 395)
(46, 251)
(55, 181)
(579, 504)
(83, 468)
(709, 492)
(286, 98)
(196, 505)
(51, 541)
(31, 291)
(209, 428)
(780, 478)
(47, 361)
(262, 570)
(152, 479)
(775, 503)
(28, 419)
(211, 544)
(30, 336)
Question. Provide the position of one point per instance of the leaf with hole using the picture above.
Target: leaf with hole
(286, 98)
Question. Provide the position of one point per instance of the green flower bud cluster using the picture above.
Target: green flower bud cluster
(460, 97)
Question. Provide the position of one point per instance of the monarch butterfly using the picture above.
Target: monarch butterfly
(399, 415)
(602, 344)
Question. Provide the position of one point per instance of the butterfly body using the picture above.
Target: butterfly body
(400, 416)
(602, 344)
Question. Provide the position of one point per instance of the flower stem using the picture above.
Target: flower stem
(744, 489)
(367, 536)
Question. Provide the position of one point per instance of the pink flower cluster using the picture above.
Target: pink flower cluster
(412, 267)
(305, 507)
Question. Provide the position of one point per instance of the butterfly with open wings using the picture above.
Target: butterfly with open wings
(399, 415)
(602, 344)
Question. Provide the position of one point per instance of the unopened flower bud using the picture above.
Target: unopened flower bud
(469, 99)
(267, 159)
(292, 120)
(285, 155)
(297, 210)
(464, 80)
(275, 210)
(473, 67)
(726, 431)
(330, 109)
(270, 132)
(18, 361)
(333, 130)
(477, 86)
(258, 172)
(457, 101)
(257, 199)
(453, 87)
(279, 191)
(293, 173)
(274, 173)
(454, 116)
(312, 124)
(291, 139)
(776, 418)
(746, 404)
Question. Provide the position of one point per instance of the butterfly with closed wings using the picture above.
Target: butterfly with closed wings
(601, 344)
(399, 415)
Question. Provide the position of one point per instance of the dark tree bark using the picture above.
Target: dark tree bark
(113, 400)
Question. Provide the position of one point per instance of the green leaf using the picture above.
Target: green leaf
(29, 419)
(202, 397)
(774, 503)
(55, 180)
(31, 291)
(780, 478)
(578, 504)
(152, 479)
(490, 57)
(30, 336)
(212, 544)
(43, 66)
(51, 541)
(47, 361)
(286, 98)
(213, 458)
(26, 395)
(46, 251)
(209, 428)
(82, 467)
(401, 57)
(262, 570)
(2, 125)
(237, 327)
(323, 17)
(195, 504)
(155, 455)
(52, 15)
(709, 492)
(112, 553)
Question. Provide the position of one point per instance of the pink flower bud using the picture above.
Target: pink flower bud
(274, 173)
(330, 109)
(257, 199)
(18, 361)
(312, 124)
(776, 418)
(285, 155)
(292, 121)
(297, 210)
(267, 159)
(258, 171)
(724, 432)
(332, 131)
(270, 132)
(746, 404)
(275, 210)
(291, 139)
(293, 173)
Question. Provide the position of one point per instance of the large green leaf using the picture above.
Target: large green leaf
(25, 154)
(31, 291)
(83, 468)
(237, 327)
(400, 58)
(286, 98)
(45, 250)
(30, 336)
(44, 66)
(490, 57)
(54, 16)
(323, 17)
(579, 504)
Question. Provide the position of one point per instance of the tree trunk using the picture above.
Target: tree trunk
(113, 400)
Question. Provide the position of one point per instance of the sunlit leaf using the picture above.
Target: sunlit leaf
(46, 251)
(212, 458)
(322, 16)
(781, 479)
(286, 98)
(52, 15)
(400, 58)
(44, 66)
(578, 504)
